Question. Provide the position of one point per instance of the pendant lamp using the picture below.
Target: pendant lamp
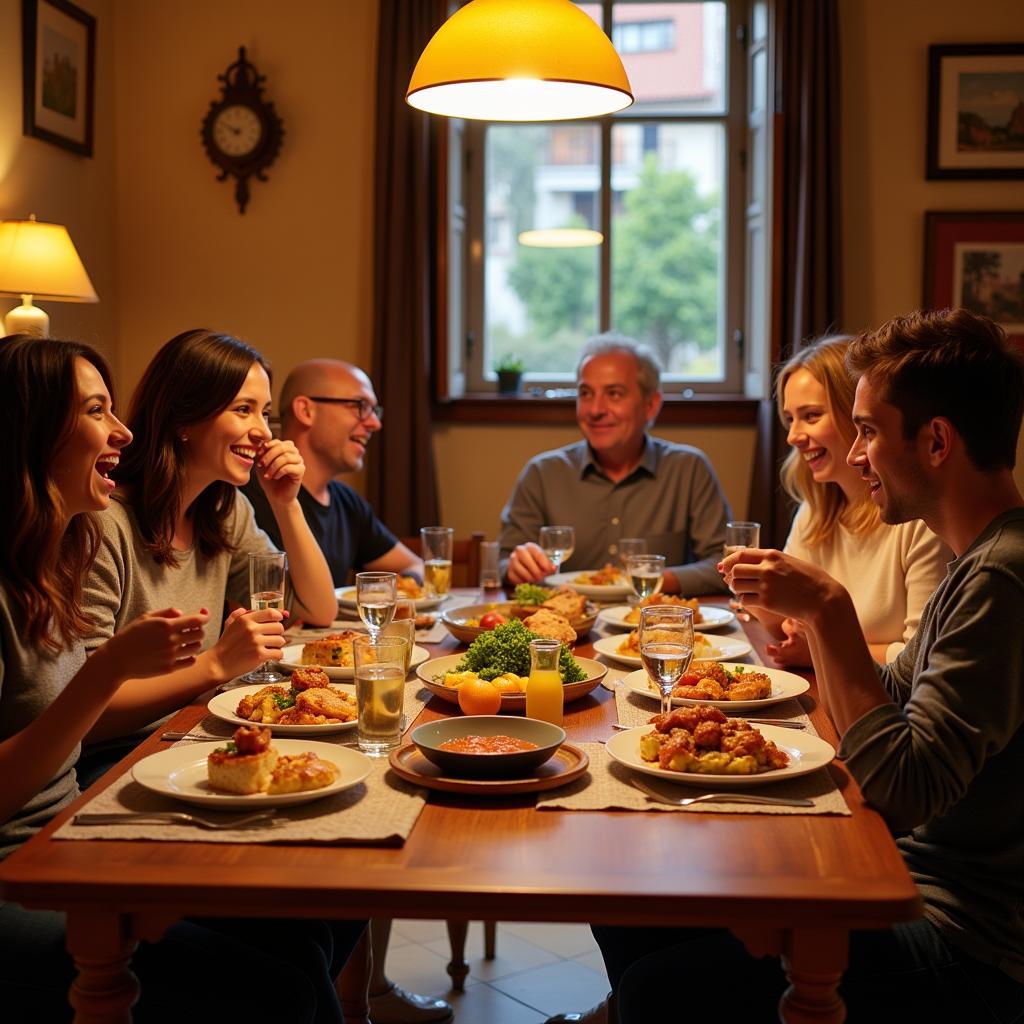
(519, 60)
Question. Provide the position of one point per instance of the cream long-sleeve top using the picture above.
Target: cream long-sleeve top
(890, 573)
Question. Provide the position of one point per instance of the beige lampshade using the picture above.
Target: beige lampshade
(40, 260)
(519, 60)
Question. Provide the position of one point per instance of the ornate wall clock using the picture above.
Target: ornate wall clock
(242, 131)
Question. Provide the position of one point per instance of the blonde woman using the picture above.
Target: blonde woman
(890, 571)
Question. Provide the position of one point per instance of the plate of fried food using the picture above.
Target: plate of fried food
(309, 705)
(333, 654)
(252, 770)
(702, 746)
(408, 588)
(626, 649)
(707, 616)
(606, 584)
(730, 687)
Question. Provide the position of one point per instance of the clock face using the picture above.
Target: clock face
(237, 130)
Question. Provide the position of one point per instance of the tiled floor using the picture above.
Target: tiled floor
(539, 970)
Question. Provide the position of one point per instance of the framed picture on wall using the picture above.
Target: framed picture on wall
(976, 260)
(59, 65)
(976, 111)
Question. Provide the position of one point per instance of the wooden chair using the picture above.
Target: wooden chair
(465, 558)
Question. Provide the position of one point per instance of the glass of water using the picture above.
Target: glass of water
(376, 593)
(646, 574)
(666, 647)
(740, 535)
(557, 542)
(403, 625)
(630, 546)
(266, 590)
(380, 691)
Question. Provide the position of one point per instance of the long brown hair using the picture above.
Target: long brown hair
(44, 555)
(824, 360)
(195, 376)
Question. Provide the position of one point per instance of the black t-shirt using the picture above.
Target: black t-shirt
(348, 532)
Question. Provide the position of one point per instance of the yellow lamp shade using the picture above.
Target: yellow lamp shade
(40, 260)
(519, 60)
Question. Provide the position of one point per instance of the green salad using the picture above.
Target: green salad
(506, 648)
(530, 594)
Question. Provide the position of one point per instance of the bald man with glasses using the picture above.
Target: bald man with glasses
(330, 412)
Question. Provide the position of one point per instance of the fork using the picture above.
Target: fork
(720, 798)
(119, 818)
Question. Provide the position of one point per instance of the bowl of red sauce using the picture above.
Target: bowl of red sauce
(488, 746)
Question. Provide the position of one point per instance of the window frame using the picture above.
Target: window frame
(460, 377)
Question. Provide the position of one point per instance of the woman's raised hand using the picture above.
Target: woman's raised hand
(249, 638)
(280, 469)
(156, 643)
(794, 649)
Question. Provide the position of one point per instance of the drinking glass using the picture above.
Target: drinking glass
(666, 647)
(490, 577)
(557, 542)
(266, 590)
(437, 560)
(380, 691)
(646, 574)
(629, 546)
(740, 535)
(404, 625)
(375, 598)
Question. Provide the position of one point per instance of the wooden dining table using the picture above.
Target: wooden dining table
(787, 885)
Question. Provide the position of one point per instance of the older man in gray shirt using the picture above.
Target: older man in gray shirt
(619, 481)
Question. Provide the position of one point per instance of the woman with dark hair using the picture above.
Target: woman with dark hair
(179, 533)
(890, 571)
(61, 442)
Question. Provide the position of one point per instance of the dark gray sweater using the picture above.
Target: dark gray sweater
(945, 762)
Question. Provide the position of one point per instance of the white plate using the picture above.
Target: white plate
(727, 647)
(225, 704)
(614, 592)
(181, 773)
(807, 754)
(291, 657)
(347, 599)
(785, 686)
(712, 617)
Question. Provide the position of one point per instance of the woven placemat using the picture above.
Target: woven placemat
(380, 811)
(606, 787)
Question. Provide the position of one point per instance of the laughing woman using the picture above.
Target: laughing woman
(60, 438)
(178, 532)
(890, 571)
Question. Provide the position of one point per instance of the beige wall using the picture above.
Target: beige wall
(60, 186)
(293, 275)
(884, 122)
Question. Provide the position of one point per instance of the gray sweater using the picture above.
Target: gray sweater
(126, 581)
(31, 679)
(944, 763)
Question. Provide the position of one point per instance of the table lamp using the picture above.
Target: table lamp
(519, 60)
(39, 260)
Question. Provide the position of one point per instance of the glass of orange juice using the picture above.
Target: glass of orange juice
(544, 697)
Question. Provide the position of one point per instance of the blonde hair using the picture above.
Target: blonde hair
(825, 361)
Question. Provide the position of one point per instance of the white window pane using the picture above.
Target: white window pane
(540, 303)
(667, 220)
(674, 54)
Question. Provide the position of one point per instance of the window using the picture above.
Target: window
(665, 185)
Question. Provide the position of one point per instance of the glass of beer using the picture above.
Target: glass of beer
(403, 625)
(437, 560)
(380, 691)
(266, 589)
(376, 593)
(666, 647)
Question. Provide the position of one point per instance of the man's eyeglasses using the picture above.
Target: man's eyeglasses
(364, 410)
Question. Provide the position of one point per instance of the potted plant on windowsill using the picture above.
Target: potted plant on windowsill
(510, 374)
